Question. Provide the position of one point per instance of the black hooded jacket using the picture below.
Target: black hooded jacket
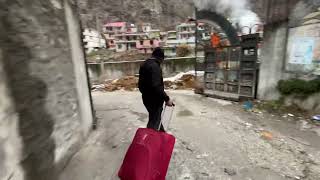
(151, 83)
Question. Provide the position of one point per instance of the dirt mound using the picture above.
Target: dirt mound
(129, 83)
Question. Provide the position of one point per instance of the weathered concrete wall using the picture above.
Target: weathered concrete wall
(99, 72)
(45, 105)
(10, 142)
(274, 50)
(272, 60)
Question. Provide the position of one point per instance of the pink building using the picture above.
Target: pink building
(110, 30)
(115, 28)
(146, 46)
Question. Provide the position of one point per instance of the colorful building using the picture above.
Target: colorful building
(115, 28)
(127, 41)
(146, 46)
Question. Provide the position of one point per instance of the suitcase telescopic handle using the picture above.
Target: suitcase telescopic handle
(162, 115)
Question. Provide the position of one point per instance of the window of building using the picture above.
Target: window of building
(151, 42)
(141, 42)
(119, 46)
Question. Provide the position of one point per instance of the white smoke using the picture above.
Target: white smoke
(239, 11)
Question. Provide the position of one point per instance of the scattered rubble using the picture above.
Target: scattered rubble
(230, 172)
(128, 83)
(181, 81)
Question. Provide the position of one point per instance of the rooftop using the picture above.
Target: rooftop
(115, 24)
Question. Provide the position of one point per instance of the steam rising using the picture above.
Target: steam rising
(237, 10)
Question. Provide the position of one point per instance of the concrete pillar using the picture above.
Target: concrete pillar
(273, 56)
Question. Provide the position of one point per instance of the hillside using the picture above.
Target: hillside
(161, 13)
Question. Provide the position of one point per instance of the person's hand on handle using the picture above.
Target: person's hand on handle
(170, 103)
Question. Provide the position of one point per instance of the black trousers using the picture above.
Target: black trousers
(155, 111)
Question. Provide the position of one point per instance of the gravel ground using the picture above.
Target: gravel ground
(216, 140)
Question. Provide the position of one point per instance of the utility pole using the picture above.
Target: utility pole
(196, 45)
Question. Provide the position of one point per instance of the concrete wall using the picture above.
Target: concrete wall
(45, 109)
(273, 57)
(99, 72)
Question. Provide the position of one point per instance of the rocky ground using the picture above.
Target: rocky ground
(216, 140)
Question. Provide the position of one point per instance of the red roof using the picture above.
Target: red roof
(115, 24)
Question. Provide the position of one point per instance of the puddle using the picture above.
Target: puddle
(185, 113)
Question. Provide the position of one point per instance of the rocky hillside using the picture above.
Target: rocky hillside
(161, 13)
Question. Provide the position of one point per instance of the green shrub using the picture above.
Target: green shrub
(299, 87)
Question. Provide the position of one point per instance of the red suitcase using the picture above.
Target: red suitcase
(148, 156)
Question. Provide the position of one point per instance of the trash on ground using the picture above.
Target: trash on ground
(316, 118)
(202, 156)
(248, 125)
(267, 135)
(98, 87)
(290, 115)
(248, 105)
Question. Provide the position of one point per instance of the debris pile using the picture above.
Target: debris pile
(129, 83)
(181, 81)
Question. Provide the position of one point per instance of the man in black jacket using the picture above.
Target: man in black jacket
(152, 88)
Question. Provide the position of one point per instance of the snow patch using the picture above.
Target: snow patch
(181, 74)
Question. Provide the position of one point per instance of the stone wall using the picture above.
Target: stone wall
(45, 108)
